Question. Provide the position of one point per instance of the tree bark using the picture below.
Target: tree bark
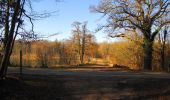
(148, 51)
(6, 55)
(5, 60)
(162, 50)
(83, 50)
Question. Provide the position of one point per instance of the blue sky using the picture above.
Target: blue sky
(68, 12)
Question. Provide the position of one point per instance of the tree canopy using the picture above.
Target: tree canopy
(146, 16)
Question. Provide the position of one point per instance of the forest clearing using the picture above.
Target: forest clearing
(84, 49)
(96, 84)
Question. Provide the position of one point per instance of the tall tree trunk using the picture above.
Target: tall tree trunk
(163, 57)
(5, 59)
(162, 51)
(82, 58)
(6, 54)
(83, 51)
(148, 51)
(83, 43)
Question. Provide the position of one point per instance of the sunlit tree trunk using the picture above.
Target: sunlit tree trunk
(83, 44)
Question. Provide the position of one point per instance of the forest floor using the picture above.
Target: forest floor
(84, 84)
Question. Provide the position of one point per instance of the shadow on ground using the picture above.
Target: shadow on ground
(71, 87)
(32, 88)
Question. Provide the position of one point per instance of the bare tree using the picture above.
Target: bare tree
(79, 33)
(146, 16)
(84, 32)
(82, 38)
(13, 13)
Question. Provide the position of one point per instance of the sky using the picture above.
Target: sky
(68, 11)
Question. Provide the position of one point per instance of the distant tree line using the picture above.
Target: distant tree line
(68, 52)
(77, 50)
